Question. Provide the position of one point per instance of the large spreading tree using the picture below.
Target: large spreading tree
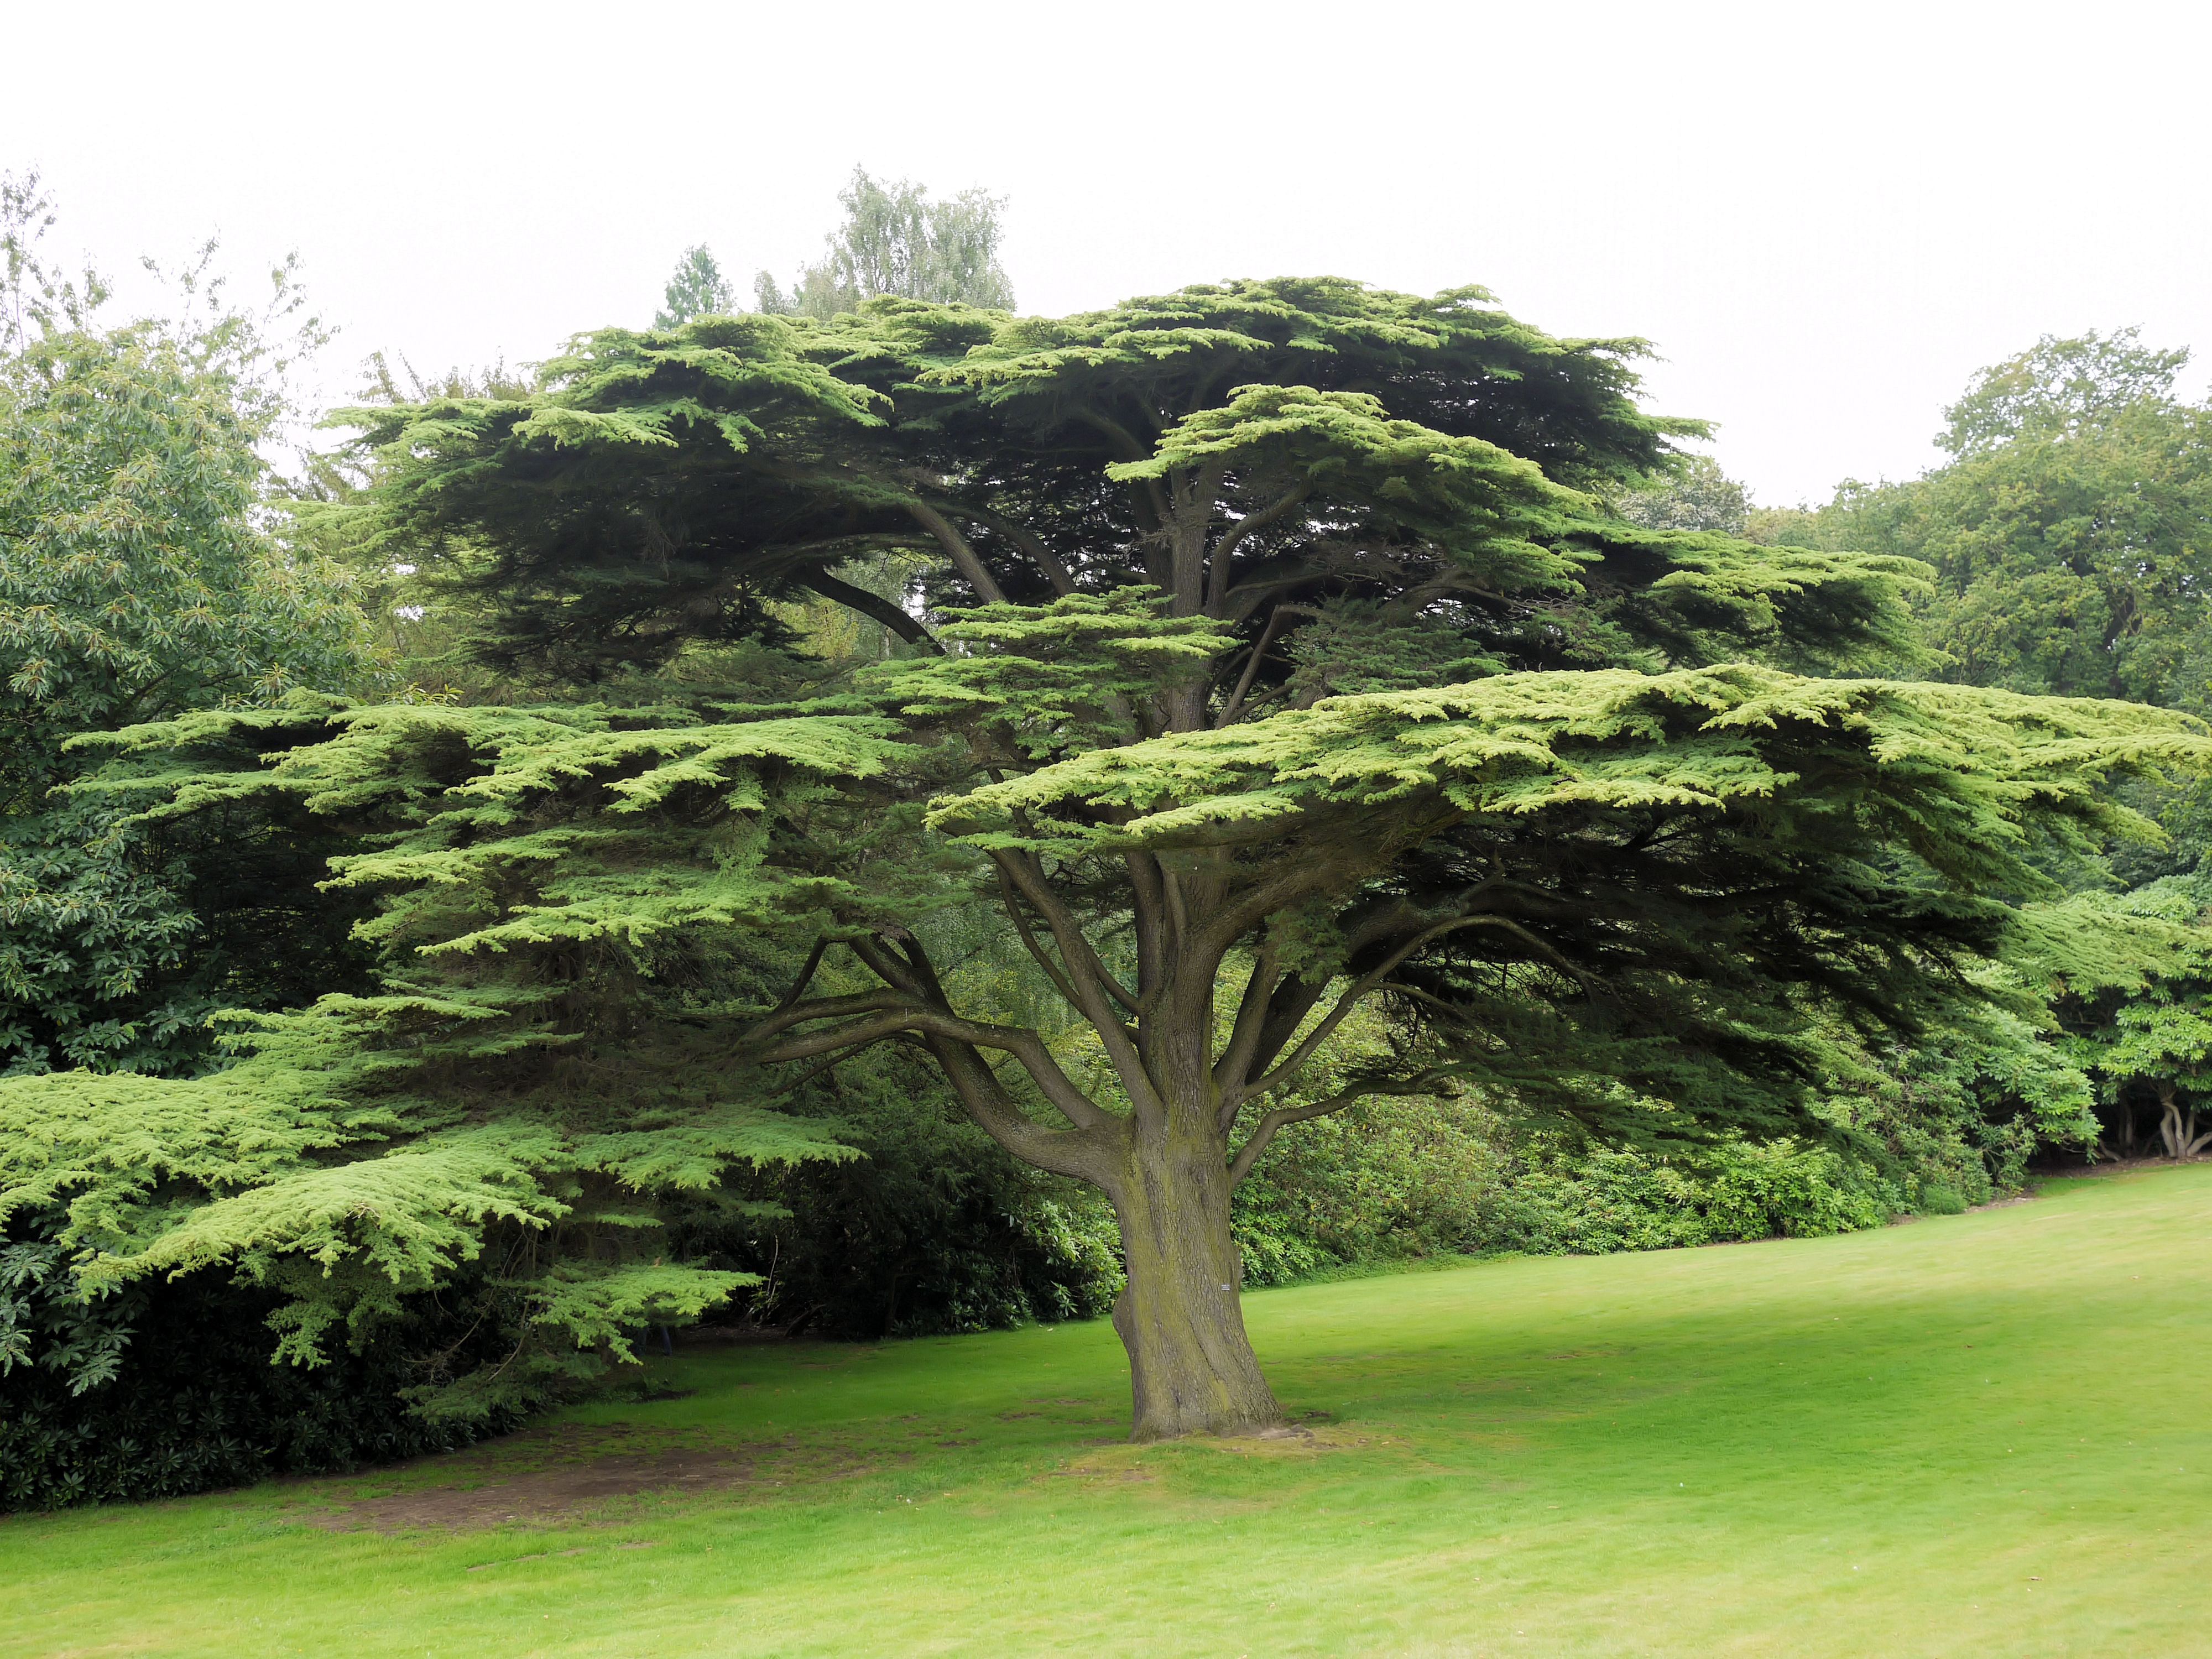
(1269, 654)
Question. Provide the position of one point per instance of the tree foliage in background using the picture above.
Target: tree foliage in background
(896, 243)
(2069, 535)
(2143, 1030)
(2070, 532)
(697, 288)
(1693, 494)
(135, 583)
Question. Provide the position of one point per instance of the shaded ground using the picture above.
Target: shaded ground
(566, 1473)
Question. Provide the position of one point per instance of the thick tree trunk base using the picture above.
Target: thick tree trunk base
(1191, 1370)
(1194, 1381)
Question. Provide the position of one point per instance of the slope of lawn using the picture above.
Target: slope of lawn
(1983, 1434)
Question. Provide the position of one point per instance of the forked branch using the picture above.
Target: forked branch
(908, 1014)
(1367, 982)
(1043, 558)
(1273, 513)
(957, 549)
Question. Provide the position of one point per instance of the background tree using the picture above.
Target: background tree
(2069, 533)
(1694, 494)
(697, 288)
(2068, 536)
(135, 583)
(2143, 1029)
(897, 243)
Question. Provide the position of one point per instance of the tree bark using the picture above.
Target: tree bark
(1192, 1369)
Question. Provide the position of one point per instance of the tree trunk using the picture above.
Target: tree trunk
(2169, 1123)
(1191, 1367)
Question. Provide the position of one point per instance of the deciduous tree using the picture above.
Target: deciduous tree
(896, 243)
(697, 288)
(136, 582)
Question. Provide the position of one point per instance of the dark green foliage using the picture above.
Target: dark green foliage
(663, 487)
(121, 940)
(932, 1230)
(193, 1401)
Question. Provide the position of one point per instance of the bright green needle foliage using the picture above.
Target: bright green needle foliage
(521, 1119)
(1949, 770)
(1764, 781)
(1582, 833)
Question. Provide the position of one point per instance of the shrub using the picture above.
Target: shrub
(186, 1397)
(932, 1231)
(1388, 1180)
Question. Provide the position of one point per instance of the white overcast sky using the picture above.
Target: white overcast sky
(1825, 216)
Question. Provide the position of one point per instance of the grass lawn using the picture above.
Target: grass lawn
(1985, 1434)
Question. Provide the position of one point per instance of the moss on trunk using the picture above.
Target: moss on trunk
(1181, 1318)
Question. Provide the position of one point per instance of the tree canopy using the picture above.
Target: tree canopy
(135, 583)
(1267, 655)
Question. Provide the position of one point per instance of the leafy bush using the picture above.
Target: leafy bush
(172, 1389)
(1398, 1179)
(934, 1230)
(1592, 1201)
(1388, 1180)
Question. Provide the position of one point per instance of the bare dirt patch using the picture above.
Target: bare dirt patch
(562, 1475)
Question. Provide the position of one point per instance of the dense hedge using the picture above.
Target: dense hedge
(194, 1403)
(1399, 1179)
